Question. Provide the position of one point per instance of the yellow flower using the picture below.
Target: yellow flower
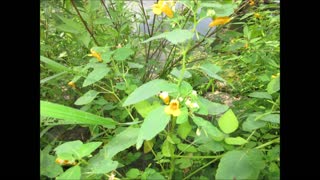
(173, 108)
(72, 84)
(257, 15)
(220, 21)
(251, 2)
(65, 162)
(163, 6)
(275, 76)
(164, 96)
(95, 54)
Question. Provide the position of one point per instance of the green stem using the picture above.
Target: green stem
(277, 140)
(198, 157)
(172, 161)
(194, 172)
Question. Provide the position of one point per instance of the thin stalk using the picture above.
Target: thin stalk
(277, 140)
(194, 172)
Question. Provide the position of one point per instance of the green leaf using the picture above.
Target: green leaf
(153, 124)
(122, 54)
(73, 173)
(48, 167)
(48, 109)
(222, 8)
(144, 107)
(274, 118)
(184, 129)
(86, 98)
(183, 163)
(236, 164)
(120, 142)
(211, 146)
(183, 117)
(261, 95)
(228, 122)
(85, 38)
(209, 128)
(101, 166)
(177, 73)
(51, 77)
(71, 147)
(176, 36)
(99, 72)
(235, 141)
(88, 148)
(150, 89)
(167, 148)
(213, 108)
(211, 70)
(274, 85)
(133, 173)
(151, 174)
(187, 148)
(250, 124)
(134, 65)
(54, 65)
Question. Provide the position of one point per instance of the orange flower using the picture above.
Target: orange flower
(173, 108)
(220, 21)
(164, 96)
(251, 2)
(72, 84)
(163, 6)
(95, 54)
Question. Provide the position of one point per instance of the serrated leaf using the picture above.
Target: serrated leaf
(228, 122)
(261, 95)
(184, 129)
(236, 164)
(72, 173)
(148, 90)
(153, 124)
(87, 98)
(274, 85)
(99, 72)
(176, 36)
(122, 54)
(235, 140)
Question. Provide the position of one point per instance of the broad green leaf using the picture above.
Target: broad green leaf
(236, 164)
(262, 95)
(208, 128)
(177, 73)
(54, 65)
(99, 72)
(88, 148)
(145, 107)
(51, 77)
(183, 117)
(120, 142)
(185, 88)
(184, 163)
(87, 98)
(73, 173)
(48, 109)
(122, 54)
(184, 129)
(274, 118)
(133, 173)
(228, 122)
(48, 167)
(167, 148)
(211, 146)
(235, 140)
(135, 65)
(222, 8)
(250, 124)
(274, 85)
(151, 174)
(186, 148)
(176, 36)
(71, 147)
(85, 38)
(213, 108)
(101, 166)
(153, 124)
(148, 90)
(211, 70)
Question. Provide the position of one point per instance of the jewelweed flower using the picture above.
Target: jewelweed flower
(163, 6)
(173, 108)
(219, 21)
(65, 162)
(194, 105)
(257, 15)
(95, 54)
(72, 84)
(194, 92)
(180, 99)
(251, 2)
(198, 132)
(164, 96)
